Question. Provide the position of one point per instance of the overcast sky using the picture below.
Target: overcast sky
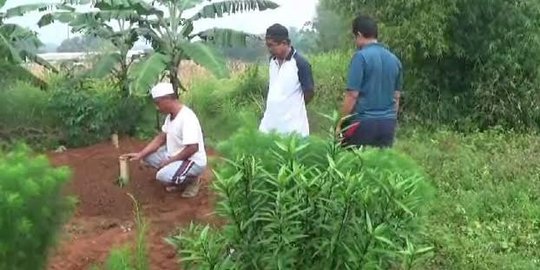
(290, 13)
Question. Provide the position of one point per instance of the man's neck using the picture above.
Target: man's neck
(283, 57)
(175, 110)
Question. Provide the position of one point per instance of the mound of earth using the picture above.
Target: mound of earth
(104, 216)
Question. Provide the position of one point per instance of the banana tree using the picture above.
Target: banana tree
(173, 40)
(19, 44)
(123, 14)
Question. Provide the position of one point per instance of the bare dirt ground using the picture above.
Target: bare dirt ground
(104, 216)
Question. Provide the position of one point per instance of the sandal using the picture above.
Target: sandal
(192, 189)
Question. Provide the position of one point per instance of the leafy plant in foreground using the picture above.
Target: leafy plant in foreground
(32, 208)
(308, 204)
(122, 258)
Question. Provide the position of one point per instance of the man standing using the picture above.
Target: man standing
(373, 90)
(290, 87)
(178, 150)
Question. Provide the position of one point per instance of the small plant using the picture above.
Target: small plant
(122, 258)
(294, 203)
(32, 208)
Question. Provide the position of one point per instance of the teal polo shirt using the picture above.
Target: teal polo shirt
(376, 73)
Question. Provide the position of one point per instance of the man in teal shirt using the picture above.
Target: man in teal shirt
(373, 90)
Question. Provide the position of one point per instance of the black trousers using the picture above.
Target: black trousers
(372, 132)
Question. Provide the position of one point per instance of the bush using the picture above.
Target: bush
(91, 111)
(465, 64)
(308, 204)
(32, 208)
(24, 114)
(223, 106)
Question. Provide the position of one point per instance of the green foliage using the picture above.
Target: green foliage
(17, 43)
(172, 37)
(32, 208)
(25, 116)
(486, 216)
(122, 258)
(466, 65)
(225, 105)
(93, 110)
(308, 204)
(332, 29)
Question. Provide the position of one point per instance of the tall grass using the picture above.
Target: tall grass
(488, 208)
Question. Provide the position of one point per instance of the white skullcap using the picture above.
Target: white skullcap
(162, 89)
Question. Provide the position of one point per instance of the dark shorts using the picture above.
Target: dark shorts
(371, 132)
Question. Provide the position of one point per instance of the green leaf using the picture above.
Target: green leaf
(206, 57)
(229, 7)
(139, 6)
(146, 73)
(187, 4)
(106, 65)
(225, 37)
(38, 60)
(7, 47)
(23, 9)
(369, 224)
(64, 17)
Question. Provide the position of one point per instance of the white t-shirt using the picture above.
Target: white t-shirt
(183, 130)
(285, 107)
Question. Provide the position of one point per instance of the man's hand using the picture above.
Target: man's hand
(134, 156)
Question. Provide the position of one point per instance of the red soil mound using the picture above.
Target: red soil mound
(104, 214)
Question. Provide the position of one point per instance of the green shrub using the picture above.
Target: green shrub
(93, 110)
(225, 105)
(291, 203)
(23, 110)
(32, 209)
(465, 64)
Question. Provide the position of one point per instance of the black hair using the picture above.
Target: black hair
(278, 33)
(366, 26)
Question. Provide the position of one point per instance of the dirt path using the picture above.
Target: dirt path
(104, 214)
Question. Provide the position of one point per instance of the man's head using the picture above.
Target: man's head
(277, 40)
(164, 97)
(365, 30)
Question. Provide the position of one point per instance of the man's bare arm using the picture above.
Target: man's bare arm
(156, 143)
(397, 96)
(348, 103)
(185, 154)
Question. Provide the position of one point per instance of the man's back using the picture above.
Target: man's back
(376, 73)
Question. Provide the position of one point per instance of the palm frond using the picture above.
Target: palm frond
(139, 6)
(147, 72)
(23, 9)
(225, 37)
(64, 17)
(207, 57)
(106, 65)
(40, 61)
(229, 7)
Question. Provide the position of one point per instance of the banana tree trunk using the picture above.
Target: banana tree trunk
(173, 76)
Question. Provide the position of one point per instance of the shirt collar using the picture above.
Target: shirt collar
(289, 56)
(373, 44)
